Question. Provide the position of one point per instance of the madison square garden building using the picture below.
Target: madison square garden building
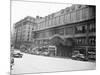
(70, 29)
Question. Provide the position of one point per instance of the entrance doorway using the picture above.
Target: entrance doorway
(64, 46)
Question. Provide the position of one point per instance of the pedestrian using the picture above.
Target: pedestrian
(12, 63)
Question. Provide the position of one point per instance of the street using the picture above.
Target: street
(36, 64)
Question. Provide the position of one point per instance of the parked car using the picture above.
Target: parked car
(17, 54)
(23, 48)
(78, 56)
(45, 50)
(48, 50)
(46, 53)
(38, 51)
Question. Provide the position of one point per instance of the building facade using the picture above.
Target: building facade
(72, 28)
(23, 31)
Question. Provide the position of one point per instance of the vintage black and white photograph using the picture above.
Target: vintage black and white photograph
(52, 37)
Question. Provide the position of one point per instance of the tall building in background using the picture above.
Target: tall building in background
(23, 31)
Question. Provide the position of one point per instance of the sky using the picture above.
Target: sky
(21, 9)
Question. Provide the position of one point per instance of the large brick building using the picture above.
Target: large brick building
(23, 31)
(72, 28)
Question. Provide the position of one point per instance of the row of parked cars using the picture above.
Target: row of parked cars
(78, 56)
(91, 55)
(43, 50)
(51, 51)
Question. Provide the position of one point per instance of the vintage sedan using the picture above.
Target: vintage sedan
(78, 56)
(17, 54)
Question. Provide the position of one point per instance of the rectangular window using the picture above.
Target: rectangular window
(92, 40)
(65, 19)
(81, 15)
(61, 31)
(81, 41)
(46, 33)
(68, 18)
(77, 15)
(68, 30)
(92, 27)
(81, 29)
(46, 25)
(53, 20)
(73, 17)
(40, 26)
(61, 19)
(57, 19)
(85, 13)
(92, 12)
(49, 22)
(53, 32)
(43, 24)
